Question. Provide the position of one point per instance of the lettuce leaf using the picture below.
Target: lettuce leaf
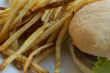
(102, 66)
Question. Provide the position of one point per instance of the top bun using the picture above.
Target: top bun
(90, 29)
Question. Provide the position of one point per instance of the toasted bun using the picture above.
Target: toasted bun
(90, 29)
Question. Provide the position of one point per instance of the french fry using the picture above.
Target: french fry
(58, 45)
(4, 15)
(13, 3)
(6, 11)
(15, 44)
(90, 1)
(39, 58)
(3, 20)
(40, 4)
(30, 58)
(25, 10)
(26, 45)
(12, 14)
(52, 37)
(45, 15)
(57, 4)
(20, 31)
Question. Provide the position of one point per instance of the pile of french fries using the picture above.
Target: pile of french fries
(35, 28)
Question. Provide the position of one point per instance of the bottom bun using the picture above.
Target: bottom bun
(79, 63)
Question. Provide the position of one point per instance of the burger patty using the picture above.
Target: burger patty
(87, 59)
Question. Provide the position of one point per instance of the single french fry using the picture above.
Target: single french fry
(3, 20)
(40, 4)
(52, 36)
(30, 58)
(30, 50)
(13, 3)
(39, 58)
(57, 4)
(12, 14)
(91, 1)
(58, 45)
(26, 45)
(25, 10)
(20, 31)
(4, 11)
(4, 15)
(15, 44)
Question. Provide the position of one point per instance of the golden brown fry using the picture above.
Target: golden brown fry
(29, 43)
(30, 58)
(25, 10)
(12, 14)
(58, 45)
(45, 15)
(15, 44)
(13, 3)
(3, 20)
(56, 4)
(90, 1)
(6, 11)
(20, 31)
(4, 15)
(40, 4)
(52, 36)
(39, 58)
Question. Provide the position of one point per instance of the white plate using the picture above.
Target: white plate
(67, 63)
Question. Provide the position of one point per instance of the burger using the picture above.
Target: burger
(90, 33)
